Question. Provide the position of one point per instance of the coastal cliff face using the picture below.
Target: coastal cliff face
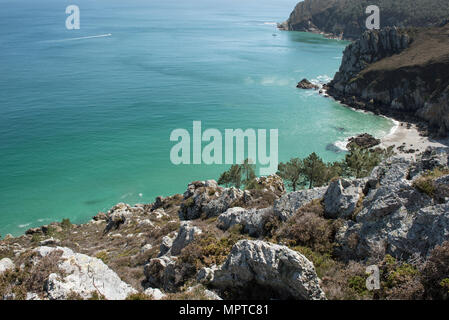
(399, 73)
(346, 18)
(266, 243)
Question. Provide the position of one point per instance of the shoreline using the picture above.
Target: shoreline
(405, 136)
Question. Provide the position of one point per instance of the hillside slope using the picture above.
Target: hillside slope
(346, 18)
(398, 73)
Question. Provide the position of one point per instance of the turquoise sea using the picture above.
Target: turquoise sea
(85, 123)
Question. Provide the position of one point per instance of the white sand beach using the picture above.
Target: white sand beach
(409, 137)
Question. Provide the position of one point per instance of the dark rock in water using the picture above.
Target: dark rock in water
(364, 141)
(306, 84)
(332, 147)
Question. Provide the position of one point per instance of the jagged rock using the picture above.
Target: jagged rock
(389, 198)
(156, 294)
(364, 141)
(272, 183)
(50, 241)
(166, 244)
(117, 216)
(210, 295)
(200, 194)
(6, 264)
(306, 84)
(206, 275)
(161, 273)
(399, 234)
(33, 231)
(257, 269)
(185, 236)
(389, 172)
(430, 159)
(32, 296)
(83, 275)
(223, 202)
(8, 237)
(342, 197)
(101, 216)
(146, 248)
(252, 220)
(288, 204)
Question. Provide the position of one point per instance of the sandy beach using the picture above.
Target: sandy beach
(407, 137)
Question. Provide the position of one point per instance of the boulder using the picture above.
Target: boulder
(252, 220)
(156, 294)
(287, 205)
(118, 216)
(82, 275)
(306, 84)
(5, 265)
(261, 270)
(200, 194)
(223, 202)
(161, 273)
(364, 141)
(342, 197)
(272, 183)
(166, 244)
(186, 235)
(206, 275)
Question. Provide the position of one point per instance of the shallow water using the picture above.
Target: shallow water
(85, 123)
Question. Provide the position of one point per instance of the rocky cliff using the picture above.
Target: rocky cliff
(346, 18)
(403, 73)
(266, 243)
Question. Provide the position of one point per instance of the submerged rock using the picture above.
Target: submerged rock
(364, 141)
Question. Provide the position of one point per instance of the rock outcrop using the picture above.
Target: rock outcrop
(395, 217)
(251, 220)
(288, 204)
(83, 276)
(398, 73)
(342, 197)
(257, 269)
(6, 264)
(363, 141)
(306, 84)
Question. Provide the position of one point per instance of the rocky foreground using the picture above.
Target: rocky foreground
(225, 243)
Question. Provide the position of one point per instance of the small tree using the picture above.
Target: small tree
(248, 171)
(291, 172)
(239, 174)
(359, 162)
(314, 170)
(231, 177)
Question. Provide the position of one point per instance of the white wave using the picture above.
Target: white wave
(270, 23)
(126, 195)
(24, 225)
(82, 38)
(341, 144)
(275, 81)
